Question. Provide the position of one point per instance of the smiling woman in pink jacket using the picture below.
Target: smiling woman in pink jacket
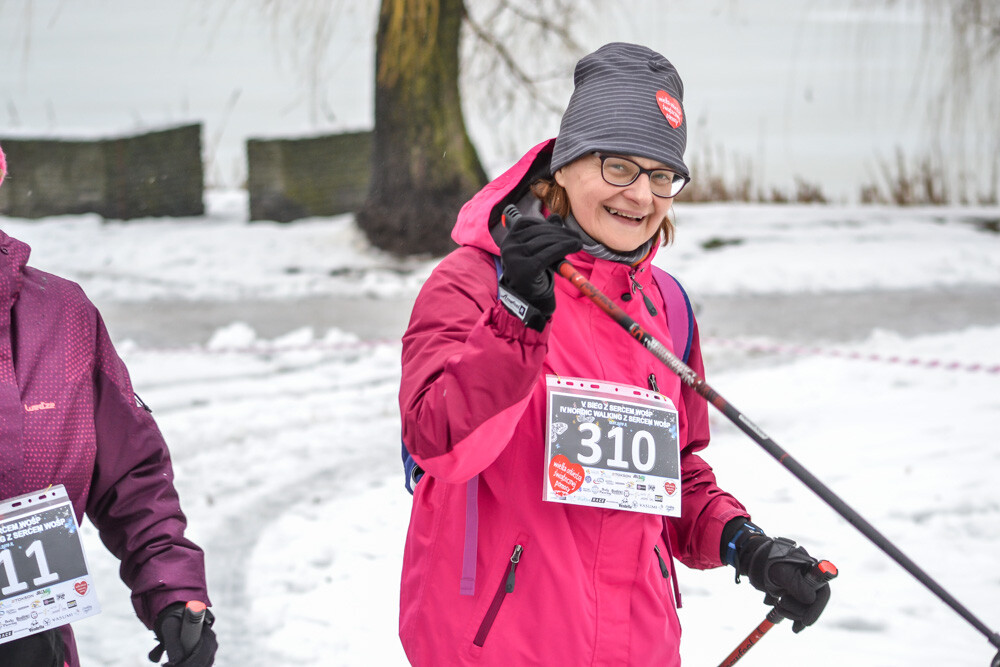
(561, 466)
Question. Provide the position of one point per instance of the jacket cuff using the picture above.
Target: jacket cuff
(711, 538)
(734, 535)
(532, 317)
(509, 326)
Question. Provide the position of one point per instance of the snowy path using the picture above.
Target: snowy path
(261, 441)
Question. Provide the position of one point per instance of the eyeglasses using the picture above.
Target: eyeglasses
(620, 171)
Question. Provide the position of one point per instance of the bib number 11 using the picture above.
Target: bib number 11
(14, 584)
(643, 449)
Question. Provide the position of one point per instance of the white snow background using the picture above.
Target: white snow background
(286, 449)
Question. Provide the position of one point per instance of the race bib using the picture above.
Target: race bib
(44, 581)
(611, 446)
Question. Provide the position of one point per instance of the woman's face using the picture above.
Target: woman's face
(622, 218)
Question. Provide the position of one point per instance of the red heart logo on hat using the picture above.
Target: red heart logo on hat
(81, 587)
(671, 108)
(565, 477)
(670, 488)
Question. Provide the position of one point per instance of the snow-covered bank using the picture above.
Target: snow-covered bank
(719, 249)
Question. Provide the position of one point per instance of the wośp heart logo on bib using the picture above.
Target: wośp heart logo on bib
(565, 477)
(670, 488)
(671, 108)
(81, 587)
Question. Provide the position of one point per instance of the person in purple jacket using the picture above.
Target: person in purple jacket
(562, 466)
(68, 416)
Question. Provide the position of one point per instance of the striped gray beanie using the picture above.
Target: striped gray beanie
(627, 100)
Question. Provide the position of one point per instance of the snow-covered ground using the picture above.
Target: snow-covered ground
(286, 447)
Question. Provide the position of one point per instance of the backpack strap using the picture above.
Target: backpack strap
(411, 471)
(680, 317)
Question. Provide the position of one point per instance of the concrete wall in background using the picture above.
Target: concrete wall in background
(154, 174)
(289, 179)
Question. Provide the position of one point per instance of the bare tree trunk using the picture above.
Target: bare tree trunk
(424, 165)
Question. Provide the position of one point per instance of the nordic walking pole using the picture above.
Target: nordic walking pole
(693, 380)
(769, 622)
(818, 575)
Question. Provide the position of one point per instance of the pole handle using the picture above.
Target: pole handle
(820, 573)
(191, 622)
(510, 215)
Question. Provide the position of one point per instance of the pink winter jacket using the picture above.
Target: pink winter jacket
(588, 587)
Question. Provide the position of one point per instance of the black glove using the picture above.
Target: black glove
(168, 633)
(529, 251)
(786, 573)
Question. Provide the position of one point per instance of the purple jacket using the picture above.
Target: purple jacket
(68, 416)
(591, 586)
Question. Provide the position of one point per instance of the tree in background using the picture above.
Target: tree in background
(424, 167)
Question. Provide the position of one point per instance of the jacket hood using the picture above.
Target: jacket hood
(13, 258)
(508, 188)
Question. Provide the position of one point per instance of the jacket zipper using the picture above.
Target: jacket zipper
(645, 299)
(652, 383)
(506, 586)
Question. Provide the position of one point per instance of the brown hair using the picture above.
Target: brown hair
(556, 199)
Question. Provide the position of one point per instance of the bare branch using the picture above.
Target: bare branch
(510, 64)
(546, 25)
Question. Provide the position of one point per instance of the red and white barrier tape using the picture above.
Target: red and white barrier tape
(745, 346)
(801, 350)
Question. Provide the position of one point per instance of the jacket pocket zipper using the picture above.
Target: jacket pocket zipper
(664, 570)
(506, 586)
